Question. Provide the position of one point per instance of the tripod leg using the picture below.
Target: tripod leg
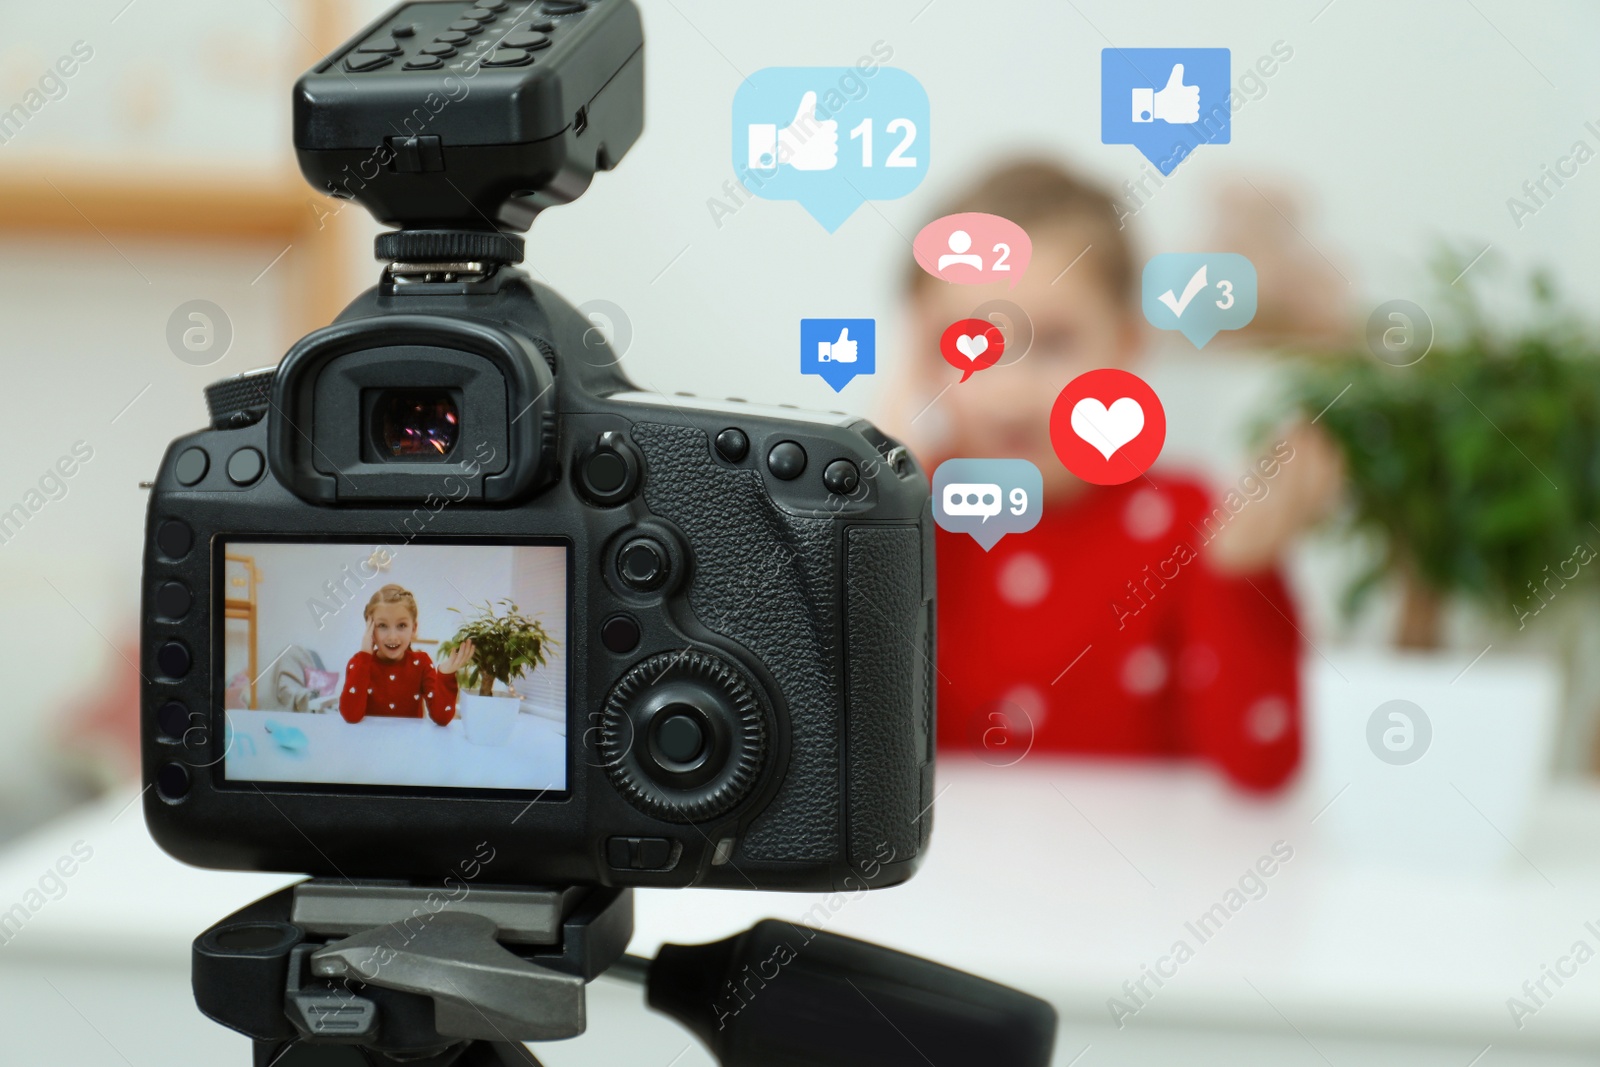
(498, 1054)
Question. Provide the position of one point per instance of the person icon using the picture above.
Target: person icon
(960, 242)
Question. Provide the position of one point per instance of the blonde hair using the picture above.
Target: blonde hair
(392, 594)
(1040, 194)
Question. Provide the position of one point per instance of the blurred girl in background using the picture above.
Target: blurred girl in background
(1144, 619)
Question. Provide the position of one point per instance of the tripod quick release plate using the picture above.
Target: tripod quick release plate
(408, 969)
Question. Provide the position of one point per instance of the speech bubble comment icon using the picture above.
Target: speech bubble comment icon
(973, 248)
(987, 498)
(1166, 102)
(1199, 294)
(831, 137)
(972, 499)
(972, 345)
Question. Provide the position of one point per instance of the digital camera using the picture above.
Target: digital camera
(445, 575)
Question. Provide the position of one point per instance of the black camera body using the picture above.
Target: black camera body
(733, 682)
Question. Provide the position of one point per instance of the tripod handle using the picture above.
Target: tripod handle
(782, 994)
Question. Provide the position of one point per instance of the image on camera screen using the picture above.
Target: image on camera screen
(436, 665)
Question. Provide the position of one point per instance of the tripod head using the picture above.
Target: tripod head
(341, 974)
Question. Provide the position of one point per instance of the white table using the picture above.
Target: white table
(276, 746)
(1059, 877)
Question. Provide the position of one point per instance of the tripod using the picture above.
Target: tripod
(385, 974)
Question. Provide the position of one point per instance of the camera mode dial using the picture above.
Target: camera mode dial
(683, 736)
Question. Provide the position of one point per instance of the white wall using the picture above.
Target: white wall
(1404, 124)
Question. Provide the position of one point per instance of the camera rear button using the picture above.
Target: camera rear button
(172, 781)
(173, 659)
(245, 466)
(480, 14)
(439, 49)
(173, 600)
(841, 477)
(468, 26)
(787, 460)
(620, 634)
(680, 738)
(451, 37)
(733, 445)
(426, 62)
(191, 466)
(173, 720)
(537, 26)
(174, 538)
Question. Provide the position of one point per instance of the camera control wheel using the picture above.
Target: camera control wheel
(683, 736)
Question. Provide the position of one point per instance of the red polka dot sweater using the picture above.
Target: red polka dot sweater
(1102, 630)
(377, 687)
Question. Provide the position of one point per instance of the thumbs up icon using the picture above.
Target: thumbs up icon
(841, 351)
(807, 143)
(1176, 102)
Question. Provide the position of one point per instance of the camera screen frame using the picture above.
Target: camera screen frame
(217, 688)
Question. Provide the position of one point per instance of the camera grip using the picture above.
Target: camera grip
(889, 694)
(765, 579)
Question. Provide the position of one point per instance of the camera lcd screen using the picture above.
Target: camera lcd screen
(412, 665)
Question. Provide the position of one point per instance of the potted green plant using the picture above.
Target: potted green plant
(1473, 475)
(1475, 470)
(506, 645)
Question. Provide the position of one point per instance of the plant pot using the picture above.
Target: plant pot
(488, 720)
(1445, 780)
